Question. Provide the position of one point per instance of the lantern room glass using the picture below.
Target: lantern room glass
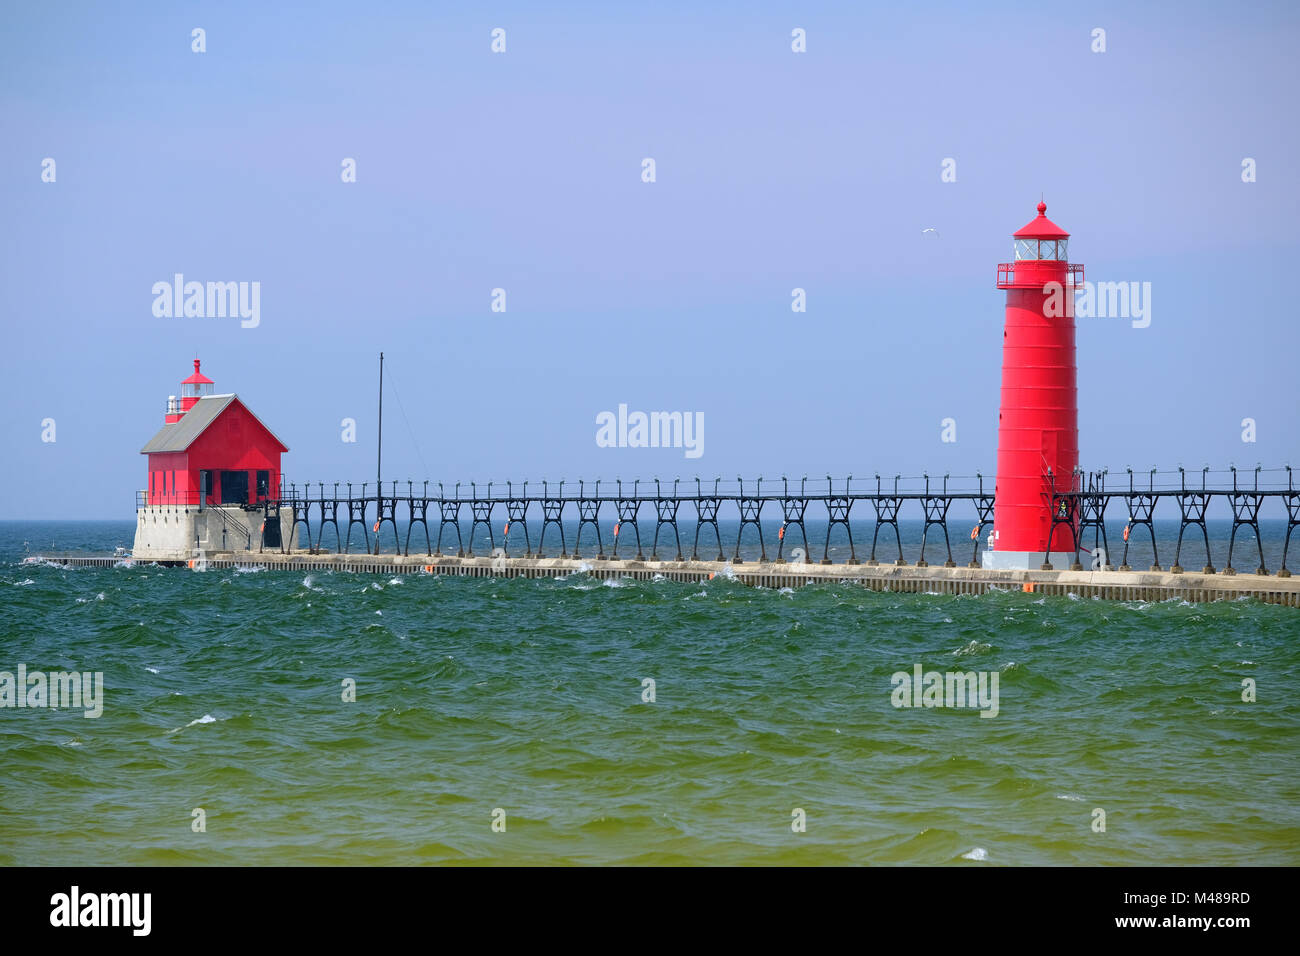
(1039, 249)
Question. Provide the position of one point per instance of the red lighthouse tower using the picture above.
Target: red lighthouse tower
(1038, 423)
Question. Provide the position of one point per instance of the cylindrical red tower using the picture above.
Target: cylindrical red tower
(1038, 424)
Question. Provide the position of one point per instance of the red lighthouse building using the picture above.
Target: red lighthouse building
(1038, 423)
(211, 451)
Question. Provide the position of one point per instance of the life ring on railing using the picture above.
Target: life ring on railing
(616, 527)
(975, 533)
(780, 535)
(507, 527)
(1126, 530)
(375, 529)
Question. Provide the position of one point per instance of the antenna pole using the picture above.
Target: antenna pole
(379, 454)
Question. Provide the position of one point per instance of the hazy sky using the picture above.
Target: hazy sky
(522, 170)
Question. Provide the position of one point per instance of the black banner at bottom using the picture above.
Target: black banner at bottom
(951, 906)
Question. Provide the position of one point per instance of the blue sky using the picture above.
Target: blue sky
(522, 171)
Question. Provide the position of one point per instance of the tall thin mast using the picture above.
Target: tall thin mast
(379, 454)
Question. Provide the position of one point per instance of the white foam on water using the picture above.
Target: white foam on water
(979, 853)
(380, 613)
(97, 597)
(971, 647)
(23, 583)
(1069, 796)
(248, 570)
(151, 670)
(205, 719)
(395, 581)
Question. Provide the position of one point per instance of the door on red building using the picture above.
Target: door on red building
(263, 485)
(205, 485)
(234, 487)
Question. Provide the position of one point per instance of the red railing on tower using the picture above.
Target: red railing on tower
(1007, 273)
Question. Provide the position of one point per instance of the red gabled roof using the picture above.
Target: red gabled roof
(180, 435)
(1041, 227)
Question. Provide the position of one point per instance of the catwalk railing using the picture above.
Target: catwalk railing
(1079, 506)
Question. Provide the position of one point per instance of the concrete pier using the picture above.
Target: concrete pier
(1106, 585)
(170, 533)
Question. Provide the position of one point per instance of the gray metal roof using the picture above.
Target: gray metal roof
(179, 436)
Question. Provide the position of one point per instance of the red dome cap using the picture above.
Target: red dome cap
(198, 378)
(1041, 227)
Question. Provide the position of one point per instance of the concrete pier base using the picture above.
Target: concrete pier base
(170, 533)
(1032, 560)
(1106, 585)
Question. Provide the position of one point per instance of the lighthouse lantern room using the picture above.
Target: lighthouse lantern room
(193, 388)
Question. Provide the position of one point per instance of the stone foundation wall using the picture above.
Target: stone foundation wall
(178, 533)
